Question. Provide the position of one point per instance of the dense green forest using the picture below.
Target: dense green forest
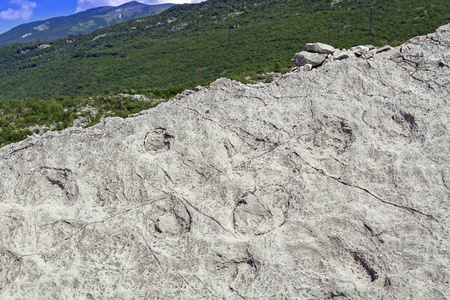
(215, 38)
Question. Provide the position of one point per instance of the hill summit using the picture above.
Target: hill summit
(331, 183)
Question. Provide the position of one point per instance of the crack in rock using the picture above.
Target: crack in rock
(410, 209)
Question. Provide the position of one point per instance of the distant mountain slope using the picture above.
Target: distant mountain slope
(80, 23)
(216, 38)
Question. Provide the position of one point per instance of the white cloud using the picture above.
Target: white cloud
(86, 4)
(24, 12)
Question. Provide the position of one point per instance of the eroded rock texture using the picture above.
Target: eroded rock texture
(329, 184)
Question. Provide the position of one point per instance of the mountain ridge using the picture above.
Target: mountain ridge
(79, 23)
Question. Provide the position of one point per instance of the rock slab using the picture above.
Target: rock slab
(332, 184)
(303, 58)
(320, 48)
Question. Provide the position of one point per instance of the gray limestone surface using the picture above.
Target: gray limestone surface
(328, 184)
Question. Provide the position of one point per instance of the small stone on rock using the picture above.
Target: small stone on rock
(320, 48)
(303, 58)
(307, 67)
(359, 50)
(342, 55)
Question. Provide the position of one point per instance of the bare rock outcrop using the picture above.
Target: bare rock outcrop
(319, 54)
(328, 184)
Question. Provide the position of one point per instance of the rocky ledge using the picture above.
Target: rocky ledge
(319, 54)
(328, 184)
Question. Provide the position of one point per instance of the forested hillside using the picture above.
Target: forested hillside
(216, 38)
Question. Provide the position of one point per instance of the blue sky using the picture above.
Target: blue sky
(16, 12)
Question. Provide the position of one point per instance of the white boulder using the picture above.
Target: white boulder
(304, 57)
(320, 48)
(360, 50)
